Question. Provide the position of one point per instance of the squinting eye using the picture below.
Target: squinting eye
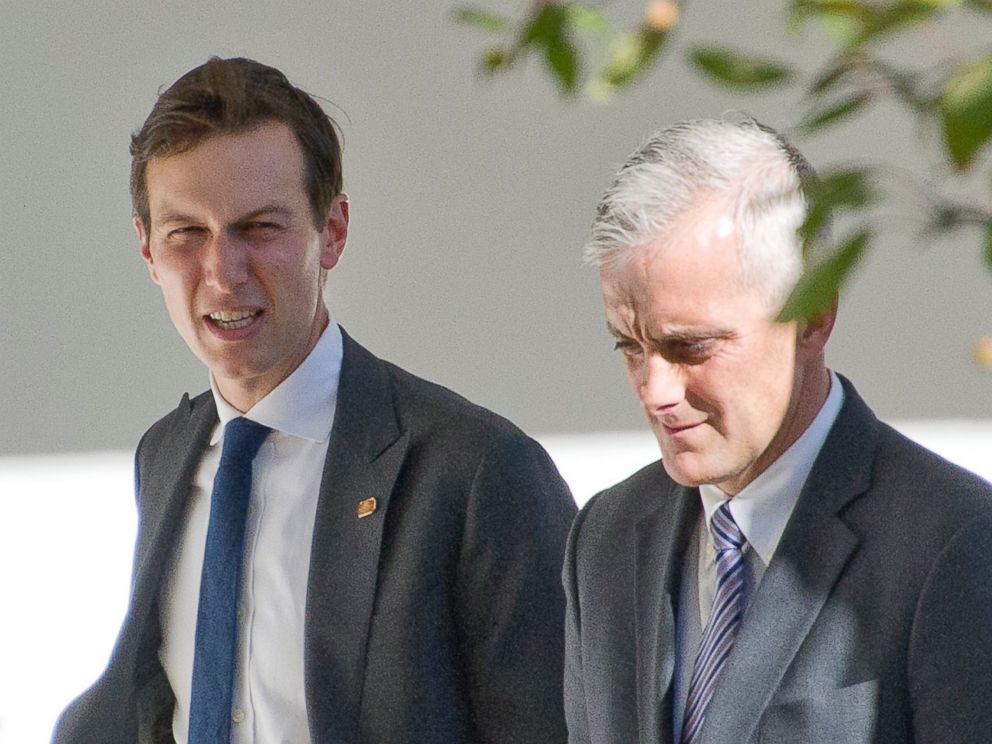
(260, 232)
(627, 348)
(692, 351)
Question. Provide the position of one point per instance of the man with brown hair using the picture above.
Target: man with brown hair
(329, 549)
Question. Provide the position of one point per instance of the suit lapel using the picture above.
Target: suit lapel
(810, 558)
(661, 539)
(170, 462)
(364, 458)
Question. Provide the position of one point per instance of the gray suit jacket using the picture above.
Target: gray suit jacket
(436, 619)
(873, 622)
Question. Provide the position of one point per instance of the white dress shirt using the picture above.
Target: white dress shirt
(763, 507)
(269, 703)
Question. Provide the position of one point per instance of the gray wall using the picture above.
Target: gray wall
(470, 203)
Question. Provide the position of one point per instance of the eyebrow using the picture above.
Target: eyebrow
(167, 218)
(679, 336)
(170, 217)
(270, 209)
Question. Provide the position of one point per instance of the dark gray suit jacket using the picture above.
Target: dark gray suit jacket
(436, 619)
(873, 622)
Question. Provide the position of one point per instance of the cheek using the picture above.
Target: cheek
(771, 364)
(768, 399)
(632, 371)
(709, 387)
(177, 286)
(294, 272)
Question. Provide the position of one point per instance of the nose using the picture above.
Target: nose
(660, 384)
(225, 262)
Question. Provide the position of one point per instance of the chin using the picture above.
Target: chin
(683, 476)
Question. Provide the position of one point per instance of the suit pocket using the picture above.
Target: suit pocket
(844, 716)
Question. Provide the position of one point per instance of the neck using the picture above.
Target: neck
(244, 392)
(812, 386)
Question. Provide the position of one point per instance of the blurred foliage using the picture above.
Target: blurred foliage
(587, 56)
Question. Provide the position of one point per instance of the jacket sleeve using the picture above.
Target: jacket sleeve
(575, 698)
(950, 655)
(510, 598)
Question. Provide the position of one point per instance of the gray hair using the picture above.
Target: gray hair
(746, 166)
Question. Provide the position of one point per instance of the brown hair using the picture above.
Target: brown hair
(229, 96)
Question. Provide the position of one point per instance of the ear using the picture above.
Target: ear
(335, 233)
(814, 333)
(144, 248)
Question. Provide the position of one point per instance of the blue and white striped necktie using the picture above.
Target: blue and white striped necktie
(729, 603)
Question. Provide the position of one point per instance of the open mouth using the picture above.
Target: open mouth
(235, 319)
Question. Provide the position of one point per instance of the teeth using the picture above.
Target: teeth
(236, 319)
(228, 317)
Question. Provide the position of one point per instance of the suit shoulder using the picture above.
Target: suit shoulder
(620, 506)
(902, 472)
(904, 464)
(442, 412)
(161, 428)
(917, 502)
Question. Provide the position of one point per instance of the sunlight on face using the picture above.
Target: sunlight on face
(714, 372)
(233, 246)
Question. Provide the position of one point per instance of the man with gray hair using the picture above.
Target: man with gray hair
(793, 570)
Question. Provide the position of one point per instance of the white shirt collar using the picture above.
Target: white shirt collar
(304, 403)
(763, 507)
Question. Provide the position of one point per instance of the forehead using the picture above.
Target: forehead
(688, 279)
(230, 171)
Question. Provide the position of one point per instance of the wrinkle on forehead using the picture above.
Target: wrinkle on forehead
(627, 305)
(681, 284)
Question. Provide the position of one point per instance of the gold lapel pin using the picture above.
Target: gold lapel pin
(365, 507)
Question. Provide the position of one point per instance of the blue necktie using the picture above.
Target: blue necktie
(729, 603)
(216, 617)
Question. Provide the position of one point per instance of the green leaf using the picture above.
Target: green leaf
(965, 106)
(480, 18)
(550, 31)
(820, 118)
(546, 26)
(842, 19)
(588, 19)
(834, 74)
(819, 284)
(739, 70)
(630, 56)
(854, 9)
(857, 22)
(885, 19)
(984, 5)
(842, 189)
(563, 62)
(494, 59)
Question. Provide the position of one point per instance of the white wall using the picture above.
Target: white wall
(60, 616)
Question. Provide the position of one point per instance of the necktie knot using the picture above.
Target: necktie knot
(726, 534)
(242, 440)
